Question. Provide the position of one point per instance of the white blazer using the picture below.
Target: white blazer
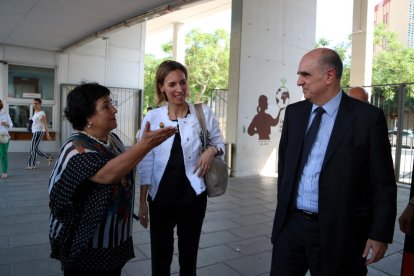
(152, 167)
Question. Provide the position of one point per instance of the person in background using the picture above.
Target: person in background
(5, 124)
(92, 187)
(171, 175)
(336, 197)
(358, 93)
(39, 129)
(406, 219)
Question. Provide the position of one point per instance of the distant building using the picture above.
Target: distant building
(398, 15)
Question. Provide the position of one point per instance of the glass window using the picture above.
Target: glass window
(31, 82)
(20, 114)
(49, 116)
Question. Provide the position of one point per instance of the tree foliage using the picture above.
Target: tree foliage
(207, 62)
(393, 63)
(150, 68)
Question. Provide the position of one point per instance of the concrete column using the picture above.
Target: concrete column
(362, 43)
(178, 42)
(268, 39)
(234, 72)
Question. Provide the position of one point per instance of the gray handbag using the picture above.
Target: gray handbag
(217, 177)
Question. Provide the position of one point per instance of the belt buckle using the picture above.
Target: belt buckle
(307, 214)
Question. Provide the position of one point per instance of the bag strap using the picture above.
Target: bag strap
(200, 116)
(202, 120)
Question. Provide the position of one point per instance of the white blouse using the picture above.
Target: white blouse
(37, 121)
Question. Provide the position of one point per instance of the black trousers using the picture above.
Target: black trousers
(189, 220)
(298, 249)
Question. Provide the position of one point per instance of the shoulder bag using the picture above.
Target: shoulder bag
(217, 177)
(29, 125)
(4, 138)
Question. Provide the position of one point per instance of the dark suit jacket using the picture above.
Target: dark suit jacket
(357, 189)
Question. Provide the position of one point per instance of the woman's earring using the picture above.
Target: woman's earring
(89, 125)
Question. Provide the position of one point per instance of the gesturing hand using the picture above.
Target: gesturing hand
(156, 137)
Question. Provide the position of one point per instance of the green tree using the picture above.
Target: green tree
(150, 68)
(393, 63)
(322, 42)
(207, 60)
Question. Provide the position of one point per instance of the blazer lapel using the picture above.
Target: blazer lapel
(302, 123)
(342, 123)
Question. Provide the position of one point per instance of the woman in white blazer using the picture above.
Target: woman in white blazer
(171, 175)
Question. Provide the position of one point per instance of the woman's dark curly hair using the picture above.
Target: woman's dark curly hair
(81, 103)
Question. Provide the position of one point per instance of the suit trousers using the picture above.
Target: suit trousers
(298, 249)
(189, 220)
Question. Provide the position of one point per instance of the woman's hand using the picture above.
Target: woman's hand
(48, 136)
(156, 137)
(143, 214)
(405, 220)
(203, 163)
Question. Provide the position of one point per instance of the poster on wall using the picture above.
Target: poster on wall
(263, 122)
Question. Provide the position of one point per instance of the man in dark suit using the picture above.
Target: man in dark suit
(336, 206)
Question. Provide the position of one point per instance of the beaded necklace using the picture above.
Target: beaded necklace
(107, 144)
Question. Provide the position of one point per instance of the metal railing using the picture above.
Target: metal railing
(397, 102)
(128, 103)
(218, 103)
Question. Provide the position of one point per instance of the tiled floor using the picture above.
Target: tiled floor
(235, 239)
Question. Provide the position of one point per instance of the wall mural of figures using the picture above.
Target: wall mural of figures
(263, 122)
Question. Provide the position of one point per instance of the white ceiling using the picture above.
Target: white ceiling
(57, 24)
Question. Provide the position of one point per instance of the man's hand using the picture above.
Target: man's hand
(143, 214)
(377, 249)
(405, 220)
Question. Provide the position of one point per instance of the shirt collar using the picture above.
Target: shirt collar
(332, 106)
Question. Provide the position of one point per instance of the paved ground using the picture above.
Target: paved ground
(235, 239)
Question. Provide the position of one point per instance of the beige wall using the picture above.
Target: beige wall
(268, 39)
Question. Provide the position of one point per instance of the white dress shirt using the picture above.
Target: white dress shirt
(308, 190)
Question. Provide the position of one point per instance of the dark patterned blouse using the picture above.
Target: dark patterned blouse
(90, 225)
